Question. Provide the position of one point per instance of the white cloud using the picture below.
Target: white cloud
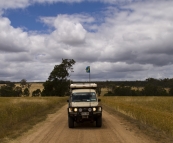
(4, 4)
(12, 39)
(137, 30)
(68, 31)
(71, 29)
(133, 41)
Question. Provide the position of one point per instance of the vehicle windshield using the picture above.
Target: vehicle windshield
(84, 97)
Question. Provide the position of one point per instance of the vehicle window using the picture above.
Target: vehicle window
(84, 97)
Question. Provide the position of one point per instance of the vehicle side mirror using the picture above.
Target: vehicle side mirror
(67, 100)
(99, 100)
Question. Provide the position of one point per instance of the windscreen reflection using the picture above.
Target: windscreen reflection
(84, 97)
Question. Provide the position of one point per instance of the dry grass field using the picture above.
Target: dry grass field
(153, 111)
(137, 88)
(35, 86)
(103, 91)
(1, 85)
(16, 111)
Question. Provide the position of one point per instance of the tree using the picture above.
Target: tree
(24, 84)
(57, 83)
(36, 92)
(25, 87)
(8, 90)
(171, 91)
(123, 91)
(153, 90)
(98, 90)
(11, 85)
(26, 92)
(18, 91)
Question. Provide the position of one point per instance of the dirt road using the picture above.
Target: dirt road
(55, 130)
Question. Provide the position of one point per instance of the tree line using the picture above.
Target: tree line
(147, 90)
(11, 90)
(58, 84)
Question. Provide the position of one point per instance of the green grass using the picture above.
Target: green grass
(156, 112)
(14, 112)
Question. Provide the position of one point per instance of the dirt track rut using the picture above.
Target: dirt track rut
(55, 130)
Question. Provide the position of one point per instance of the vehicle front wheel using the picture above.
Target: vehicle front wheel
(70, 122)
(99, 122)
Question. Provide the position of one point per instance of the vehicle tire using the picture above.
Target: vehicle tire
(99, 122)
(70, 122)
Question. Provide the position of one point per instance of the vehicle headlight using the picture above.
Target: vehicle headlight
(80, 109)
(94, 109)
(75, 109)
(89, 109)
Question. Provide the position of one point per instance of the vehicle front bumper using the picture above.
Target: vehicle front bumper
(85, 112)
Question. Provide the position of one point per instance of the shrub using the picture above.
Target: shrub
(36, 92)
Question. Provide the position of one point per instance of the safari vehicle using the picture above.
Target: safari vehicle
(84, 104)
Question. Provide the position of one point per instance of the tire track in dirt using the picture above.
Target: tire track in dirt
(55, 130)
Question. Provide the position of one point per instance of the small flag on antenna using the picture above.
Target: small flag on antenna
(88, 69)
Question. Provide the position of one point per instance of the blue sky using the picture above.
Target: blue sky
(118, 39)
(29, 16)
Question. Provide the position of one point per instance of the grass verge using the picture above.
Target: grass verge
(152, 111)
(19, 114)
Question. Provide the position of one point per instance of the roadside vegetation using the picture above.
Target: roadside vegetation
(57, 83)
(149, 101)
(149, 87)
(147, 90)
(150, 110)
(18, 113)
(23, 104)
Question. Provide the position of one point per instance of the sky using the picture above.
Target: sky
(121, 40)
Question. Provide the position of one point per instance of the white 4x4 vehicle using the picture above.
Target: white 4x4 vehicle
(83, 104)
